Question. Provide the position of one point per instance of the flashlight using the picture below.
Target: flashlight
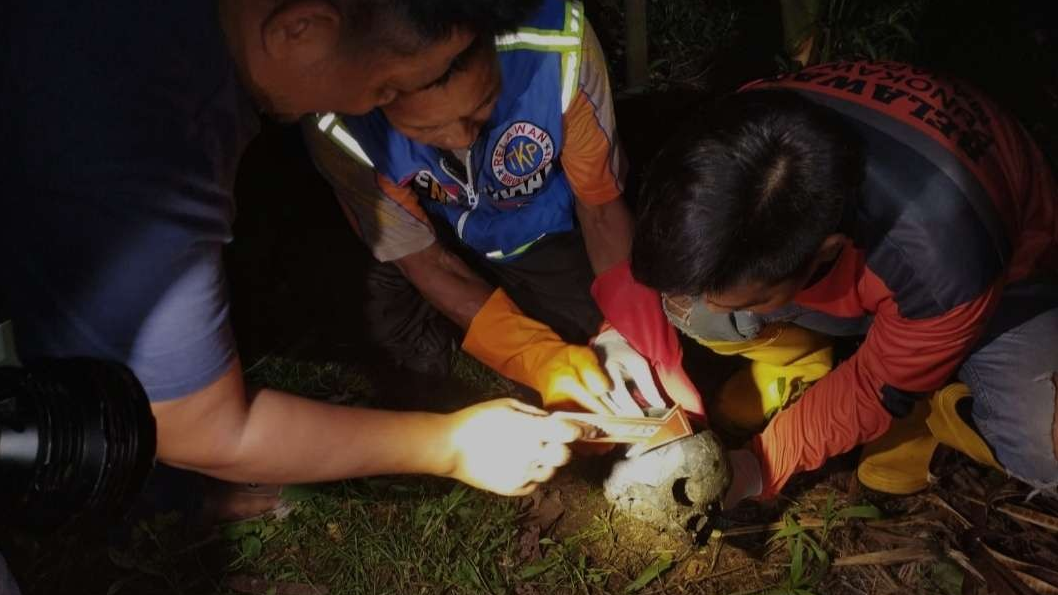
(77, 442)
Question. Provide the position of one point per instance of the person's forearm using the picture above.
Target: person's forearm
(447, 283)
(290, 439)
(607, 230)
(276, 437)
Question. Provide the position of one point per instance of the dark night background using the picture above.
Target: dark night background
(296, 274)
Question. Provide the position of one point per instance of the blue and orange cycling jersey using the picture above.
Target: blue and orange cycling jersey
(550, 141)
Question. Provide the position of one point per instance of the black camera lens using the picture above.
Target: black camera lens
(77, 442)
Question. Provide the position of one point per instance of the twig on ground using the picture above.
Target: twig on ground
(816, 523)
(884, 557)
(716, 554)
(1030, 574)
(942, 503)
(1019, 513)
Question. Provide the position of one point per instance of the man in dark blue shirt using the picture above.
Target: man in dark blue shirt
(123, 124)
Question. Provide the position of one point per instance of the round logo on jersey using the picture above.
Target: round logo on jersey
(523, 150)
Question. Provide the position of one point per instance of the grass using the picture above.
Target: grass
(385, 536)
(415, 535)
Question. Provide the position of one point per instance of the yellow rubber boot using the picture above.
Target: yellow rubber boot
(898, 462)
(785, 360)
(951, 430)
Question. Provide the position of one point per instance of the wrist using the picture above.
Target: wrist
(440, 450)
(746, 480)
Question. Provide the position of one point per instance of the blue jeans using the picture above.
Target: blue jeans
(1010, 371)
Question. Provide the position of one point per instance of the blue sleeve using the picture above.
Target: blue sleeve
(156, 301)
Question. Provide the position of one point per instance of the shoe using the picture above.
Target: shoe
(898, 462)
(953, 426)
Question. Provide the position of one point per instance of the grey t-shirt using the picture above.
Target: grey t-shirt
(123, 123)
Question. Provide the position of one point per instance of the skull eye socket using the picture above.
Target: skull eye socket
(679, 492)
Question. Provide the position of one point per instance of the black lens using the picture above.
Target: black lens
(77, 441)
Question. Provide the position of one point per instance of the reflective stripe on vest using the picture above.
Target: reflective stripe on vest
(566, 42)
(330, 125)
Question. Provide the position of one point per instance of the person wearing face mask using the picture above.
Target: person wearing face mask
(878, 201)
(497, 193)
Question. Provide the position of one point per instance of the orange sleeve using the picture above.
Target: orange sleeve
(591, 154)
(899, 360)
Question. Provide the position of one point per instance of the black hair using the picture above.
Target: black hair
(748, 194)
(406, 26)
(462, 60)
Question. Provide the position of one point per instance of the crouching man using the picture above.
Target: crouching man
(874, 200)
(496, 191)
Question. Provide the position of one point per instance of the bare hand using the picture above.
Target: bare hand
(507, 447)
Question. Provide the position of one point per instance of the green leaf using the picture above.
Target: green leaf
(236, 531)
(539, 567)
(268, 531)
(820, 553)
(651, 572)
(250, 546)
(787, 531)
(865, 511)
(780, 386)
(797, 561)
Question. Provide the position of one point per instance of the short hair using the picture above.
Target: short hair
(407, 26)
(748, 194)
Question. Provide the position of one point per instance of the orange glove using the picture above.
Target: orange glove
(527, 351)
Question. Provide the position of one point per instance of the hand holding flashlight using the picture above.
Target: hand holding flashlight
(508, 447)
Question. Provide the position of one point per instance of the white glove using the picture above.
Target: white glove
(746, 480)
(624, 364)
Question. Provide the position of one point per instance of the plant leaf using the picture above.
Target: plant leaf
(250, 546)
(651, 572)
(787, 531)
(865, 511)
(797, 562)
(237, 531)
(538, 567)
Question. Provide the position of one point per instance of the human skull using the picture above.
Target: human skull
(676, 487)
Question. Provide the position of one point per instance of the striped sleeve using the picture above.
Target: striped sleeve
(387, 217)
(591, 154)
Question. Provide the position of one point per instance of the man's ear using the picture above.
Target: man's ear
(830, 248)
(302, 32)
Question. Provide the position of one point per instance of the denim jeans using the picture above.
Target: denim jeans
(1010, 371)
